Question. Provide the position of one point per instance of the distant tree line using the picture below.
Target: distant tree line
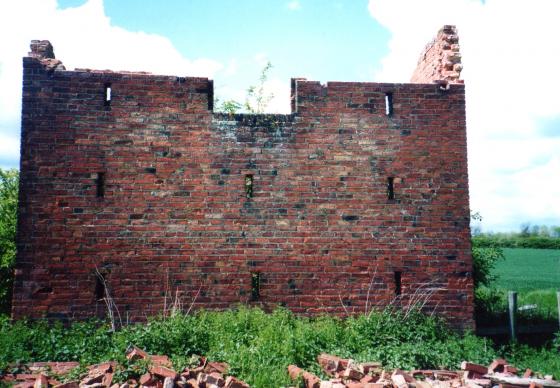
(529, 236)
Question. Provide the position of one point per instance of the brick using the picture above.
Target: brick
(399, 381)
(220, 367)
(156, 179)
(162, 371)
(59, 368)
(476, 368)
(407, 377)
(168, 382)
(352, 373)
(146, 379)
(161, 361)
(371, 367)
(42, 381)
(510, 369)
(330, 364)
(309, 379)
(134, 353)
(69, 384)
(232, 382)
(497, 366)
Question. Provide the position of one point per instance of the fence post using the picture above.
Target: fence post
(512, 304)
(558, 301)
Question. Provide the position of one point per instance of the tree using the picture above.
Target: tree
(9, 184)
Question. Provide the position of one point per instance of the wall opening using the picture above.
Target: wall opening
(398, 282)
(107, 95)
(249, 186)
(391, 188)
(100, 184)
(99, 289)
(255, 286)
(389, 104)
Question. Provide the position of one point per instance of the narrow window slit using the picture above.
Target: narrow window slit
(249, 186)
(398, 282)
(389, 104)
(107, 96)
(100, 183)
(391, 187)
(255, 285)
(99, 289)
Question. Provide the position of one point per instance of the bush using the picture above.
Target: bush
(9, 184)
(484, 261)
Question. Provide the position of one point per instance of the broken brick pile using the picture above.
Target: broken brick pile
(160, 374)
(346, 373)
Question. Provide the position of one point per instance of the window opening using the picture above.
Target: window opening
(390, 187)
(249, 186)
(389, 104)
(107, 96)
(255, 286)
(398, 282)
(100, 183)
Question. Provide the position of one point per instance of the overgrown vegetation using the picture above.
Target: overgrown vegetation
(259, 346)
(9, 184)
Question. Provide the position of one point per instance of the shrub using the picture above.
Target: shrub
(9, 184)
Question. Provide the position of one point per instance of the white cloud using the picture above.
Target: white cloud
(294, 5)
(82, 37)
(510, 55)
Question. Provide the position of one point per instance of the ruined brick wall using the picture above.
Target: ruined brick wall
(359, 195)
(441, 59)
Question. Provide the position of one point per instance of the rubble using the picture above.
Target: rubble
(346, 373)
(159, 374)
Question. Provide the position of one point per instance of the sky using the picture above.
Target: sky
(510, 48)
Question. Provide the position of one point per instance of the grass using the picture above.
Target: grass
(535, 275)
(257, 345)
(529, 269)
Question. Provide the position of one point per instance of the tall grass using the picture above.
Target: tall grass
(257, 345)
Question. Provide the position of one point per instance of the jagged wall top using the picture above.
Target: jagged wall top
(440, 61)
(43, 51)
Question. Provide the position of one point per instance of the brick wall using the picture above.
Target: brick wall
(441, 59)
(164, 197)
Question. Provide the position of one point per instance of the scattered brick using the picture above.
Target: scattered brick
(475, 368)
(42, 381)
(134, 353)
(161, 361)
(232, 382)
(164, 372)
(146, 379)
(309, 379)
(220, 367)
(497, 366)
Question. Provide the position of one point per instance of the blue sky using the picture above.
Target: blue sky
(510, 55)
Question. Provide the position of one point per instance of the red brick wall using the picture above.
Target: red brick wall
(441, 59)
(175, 216)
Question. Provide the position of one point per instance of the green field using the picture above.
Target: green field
(535, 275)
(529, 269)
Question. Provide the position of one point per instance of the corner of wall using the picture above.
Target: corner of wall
(43, 52)
(440, 62)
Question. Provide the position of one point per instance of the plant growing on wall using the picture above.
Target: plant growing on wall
(256, 100)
